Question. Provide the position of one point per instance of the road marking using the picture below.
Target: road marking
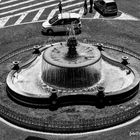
(74, 10)
(75, 4)
(39, 21)
(5, 2)
(125, 16)
(51, 14)
(22, 8)
(38, 14)
(23, 13)
(81, 12)
(122, 16)
(48, 6)
(21, 18)
(9, 6)
(64, 7)
(96, 16)
(23, 23)
(3, 21)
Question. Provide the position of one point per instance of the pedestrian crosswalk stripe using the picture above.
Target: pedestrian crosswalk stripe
(76, 6)
(97, 15)
(51, 14)
(23, 15)
(32, 10)
(13, 5)
(38, 14)
(21, 18)
(72, 5)
(9, 1)
(64, 7)
(81, 12)
(74, 10)
(3, 21)
(29, 6)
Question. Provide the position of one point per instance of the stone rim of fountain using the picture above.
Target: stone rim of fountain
(48, 59)
(132, 88)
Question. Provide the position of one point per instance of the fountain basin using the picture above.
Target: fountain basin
(30, 85)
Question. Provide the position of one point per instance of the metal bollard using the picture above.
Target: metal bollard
(125, 60)
(15, 65)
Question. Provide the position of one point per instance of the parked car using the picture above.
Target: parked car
(61, 22)
(106, 7)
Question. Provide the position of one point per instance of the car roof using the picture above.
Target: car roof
(68, 15)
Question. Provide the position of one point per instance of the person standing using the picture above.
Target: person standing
(91, 6)
(60, 6)
(85, 7)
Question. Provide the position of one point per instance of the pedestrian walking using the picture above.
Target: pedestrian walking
(91, 6)
(60, 6)
(85, 7)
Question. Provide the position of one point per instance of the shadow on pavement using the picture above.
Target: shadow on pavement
(34, 138)
(59, 34)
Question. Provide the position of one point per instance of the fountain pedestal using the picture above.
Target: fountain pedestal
(71, 65)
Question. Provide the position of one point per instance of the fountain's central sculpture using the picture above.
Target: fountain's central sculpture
(71, 65)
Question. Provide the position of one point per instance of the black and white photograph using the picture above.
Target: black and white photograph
(69, 69)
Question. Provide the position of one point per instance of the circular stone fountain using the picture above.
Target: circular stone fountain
(72, 70)
(72, 76)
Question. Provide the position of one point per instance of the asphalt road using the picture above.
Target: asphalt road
(124, 33)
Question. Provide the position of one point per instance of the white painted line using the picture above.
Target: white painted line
(39, 21)
(109, 19)
(74, 10)
(28, 11)
(88, 18)
(96, 16)
(75, 4)
(29, 6)
(81, 12)
(125, 16)
(20, 3)
(38, 14)
(23, 23)
(64, 7)
(21, 18)
(9, 1)
(3, 21)
(51, 14)
(74, 135)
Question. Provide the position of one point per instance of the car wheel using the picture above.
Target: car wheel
(43, 33)
(50, 32)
